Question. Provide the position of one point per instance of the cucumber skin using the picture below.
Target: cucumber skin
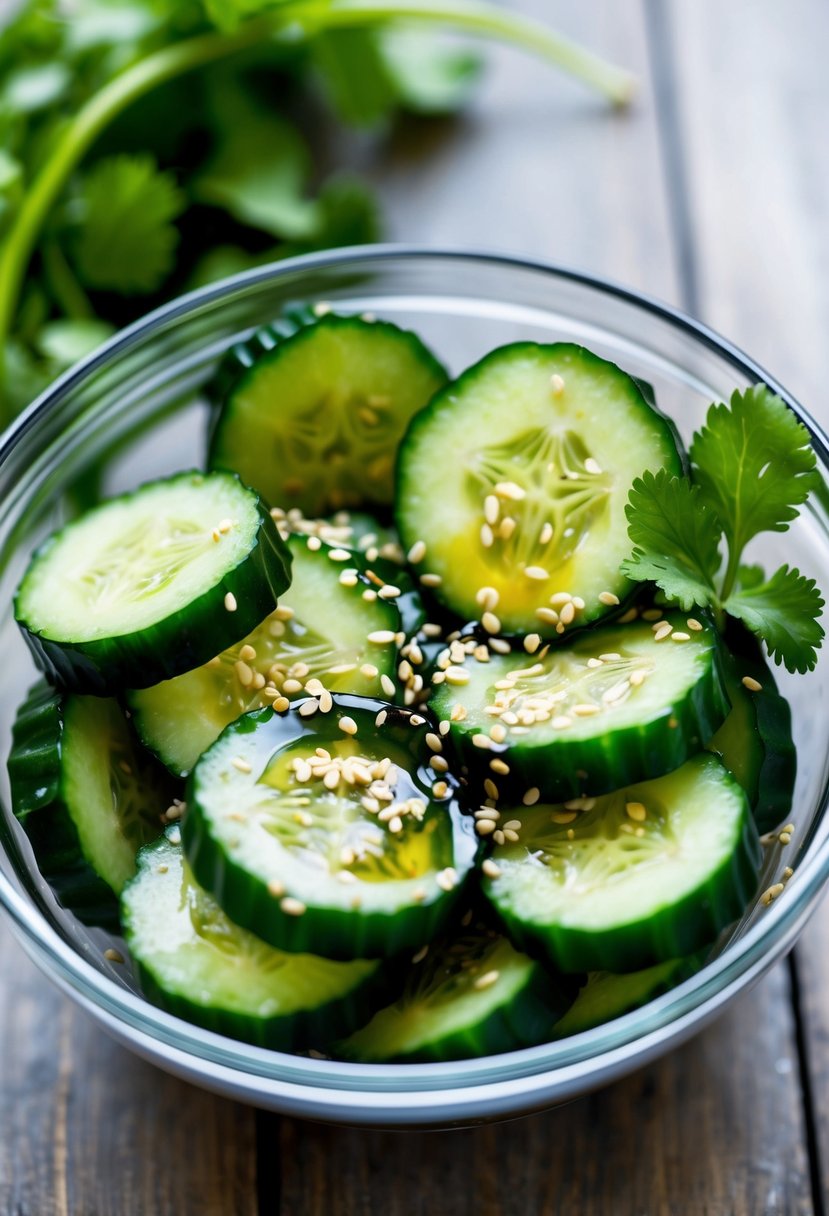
(622, 757)
(669, 975)
(240, 357)
(328, 932)
(684, 928)
(525, 1020)
(183, 640)
(40, 807)
(771, 790)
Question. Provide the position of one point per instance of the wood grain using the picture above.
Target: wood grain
(90, 1130)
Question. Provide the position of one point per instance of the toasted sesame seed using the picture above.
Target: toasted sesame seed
(433, 741)
(652, 614)
(292, 686)
(113, 956)
(440, 789)
(491, 789)
(536, 572)
(307, 708)
(230, 602)
(785, 838)
(751, 684)
(417, 552)
(568, 613)
(558, 598)
(662, 631)
(531, 796)
(498, 732)
(499, 645)
(389, 592)
(291, 906)
(457, 675)
(563, 817)
(499, 766)
(532, 641)
(281, 704)
(490, 622)
(548, 615)
(485, 827)
(438, 764)
(486, 980)
(608, 598)
(679, 636)
(444, 728)
(694, 625)
(482, 741)
(347, 725)
(241, 765)
(787, 873)
(637, 811)
(458, 713)
(387, 685)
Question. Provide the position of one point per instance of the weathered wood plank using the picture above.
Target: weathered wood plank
(754, 94)
(90, 1130)
(714, 1128)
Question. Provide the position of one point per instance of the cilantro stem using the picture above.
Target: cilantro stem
(730, 576)
(63, 285)
(303, 18)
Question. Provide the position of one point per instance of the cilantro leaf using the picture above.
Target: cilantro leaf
(429, 76)
(676, 538)
(753, 464)
(126, 238)
(783, 611)
(357, 79)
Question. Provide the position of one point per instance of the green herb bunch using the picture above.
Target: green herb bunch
(149, 146)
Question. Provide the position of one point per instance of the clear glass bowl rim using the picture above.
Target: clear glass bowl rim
(425, 1093)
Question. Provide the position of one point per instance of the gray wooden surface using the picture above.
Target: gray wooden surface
(713, 194)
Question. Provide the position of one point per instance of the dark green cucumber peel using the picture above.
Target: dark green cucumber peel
(590, 754)
(314, 419)
(755, 741)
(606, 996)
(56, 814)
(179, 641)
(557, 896)
(320, 623)
(193, 962)
(272, 842)
(242, 355)
(470, 994)
(526, 425)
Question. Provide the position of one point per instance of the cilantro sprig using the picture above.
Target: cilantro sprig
(147, 146)
(752, 468)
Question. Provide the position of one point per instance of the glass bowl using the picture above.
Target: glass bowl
(132, 406)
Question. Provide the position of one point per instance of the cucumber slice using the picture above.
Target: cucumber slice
(469, 995)
(515, 478)
(315, 421)
(755, 741)
(614, 706)
(87, 795)
(606, 996)
(645, 874)
(152, 583)
(319, 632)
(195, 963)
(304, 863)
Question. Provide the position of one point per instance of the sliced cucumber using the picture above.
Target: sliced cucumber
(319, 632)
(648, 873)
(194, 962)
(515, 478)
(755, 741)
(606, 996)
(614, 706)
(152, 583)
(315, 421)
(87, 795)
(366, 866)
(471, 994)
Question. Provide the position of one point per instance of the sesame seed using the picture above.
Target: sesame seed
(499, 766)
(230, 602)
(532, 641)
(487, 539)
(787, 873)
(284, 614)
(568, 613)
(395, 825)
(652, 614)
(548, 615)
(482, 741)
(458, 713)
(557, 384)
(433, 742)
(331, 779)
(561, 722)
(421, 954)
(509, 489)
(486, 980)
(417, 552)
(751, 684)
(531, 796)
(662, 631)
(381, 637)
(499, 645)
(546, 533)
(694, 625)
(113, 956)
(348, 578)
(536, 572)
(485, 827)
(241, 765)
(292, 686)
(314, 543)
(381, 717)
(447, 879)
(491, 623)
(444, 728)
(389, 592)
(585, 710)
(607, 597)
(326, 701)
(679, 636)
(636, 810)
(369, 595)
(630, 615)
(307, 708)
(637, 677)
(594, 663)
(785, 838)
(492, 509)
(592, 466)
(457, 675)
(610, 657)
(431, 580)
(440, 789)
(291, 906)
(438, 764)
(498, 732)
(347, 725)
(563, 817)
(281, 704)
(276, 888)
(339, 555)
(387, 685)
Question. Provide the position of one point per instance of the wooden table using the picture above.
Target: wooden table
(713, 194)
